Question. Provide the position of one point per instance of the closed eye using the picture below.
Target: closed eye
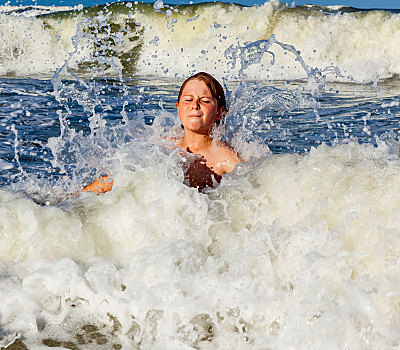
(207, 100)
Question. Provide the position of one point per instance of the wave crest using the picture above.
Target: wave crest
(164, 40)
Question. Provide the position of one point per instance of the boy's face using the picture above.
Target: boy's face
(197, 108)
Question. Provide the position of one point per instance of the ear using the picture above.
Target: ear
(221, 112)
(177, 104)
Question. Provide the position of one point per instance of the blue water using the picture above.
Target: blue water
(340, 112)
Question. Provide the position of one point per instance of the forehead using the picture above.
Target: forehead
(196, 87)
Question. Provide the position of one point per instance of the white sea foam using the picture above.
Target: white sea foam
(28, 48)
(32, 11)
(172, 41)
(300, 245)
(391, 104)
(345, 41)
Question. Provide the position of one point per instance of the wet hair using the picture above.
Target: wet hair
(213, 84)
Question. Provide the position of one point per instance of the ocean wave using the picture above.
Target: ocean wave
(309, 240)
(163, 40)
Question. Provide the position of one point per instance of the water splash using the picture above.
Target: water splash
(22, 174)
(251, 53)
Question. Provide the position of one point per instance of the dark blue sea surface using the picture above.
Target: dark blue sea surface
(30, 115)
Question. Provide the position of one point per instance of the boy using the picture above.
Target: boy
(200, 104)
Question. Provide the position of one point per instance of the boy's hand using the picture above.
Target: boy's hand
(103, 185)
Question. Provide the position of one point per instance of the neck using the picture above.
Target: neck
(194, 140)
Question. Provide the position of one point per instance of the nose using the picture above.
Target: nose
(196, 104)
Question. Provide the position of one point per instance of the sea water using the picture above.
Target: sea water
(297, 248)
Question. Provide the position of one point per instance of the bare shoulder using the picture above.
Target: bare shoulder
(227, 150)
(171, 141)
(229, 158)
